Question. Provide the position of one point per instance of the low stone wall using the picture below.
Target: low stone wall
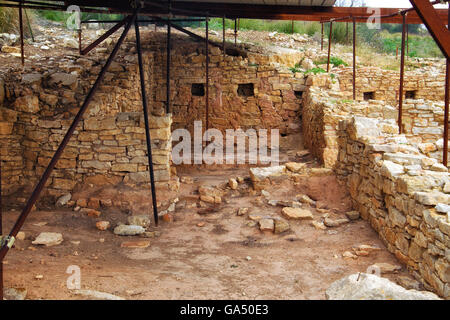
(322, 111)
(426, 85)
(423, 121)
(250, 90)
(108, 146)
(402, 193)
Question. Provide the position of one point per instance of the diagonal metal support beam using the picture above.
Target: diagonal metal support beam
(147, 130)
(105, 36)
(40, 186)
(434, 24)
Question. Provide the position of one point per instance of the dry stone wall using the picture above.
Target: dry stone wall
(426, 84)
(402, 193)
(108, 146)
(423, 121)
(247, 89)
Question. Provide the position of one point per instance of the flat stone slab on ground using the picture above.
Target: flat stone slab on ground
(126, 230)
(135, 244)
(371, 287)
(48, 239)
(386, 267)
(297, 213)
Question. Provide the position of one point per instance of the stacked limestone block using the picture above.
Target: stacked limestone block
(274, 102)
(427, 83)
(322, 111)
(11, 155)
(423, 122)
(108, 146)
(402, 193)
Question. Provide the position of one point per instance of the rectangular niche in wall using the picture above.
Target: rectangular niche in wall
(246, 90)
(298, 94)
(369, 95)
(198, 89)
(410, 94)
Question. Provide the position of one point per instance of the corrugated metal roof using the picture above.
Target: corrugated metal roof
(319, 3)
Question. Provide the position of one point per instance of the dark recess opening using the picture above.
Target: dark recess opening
(369, 95)
(246, 90)
(235, 52)
(298, 94)
(198, 89)
(410, 94)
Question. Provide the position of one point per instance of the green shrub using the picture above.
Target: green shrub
(335, 61)
(61, 16)
(315, 71)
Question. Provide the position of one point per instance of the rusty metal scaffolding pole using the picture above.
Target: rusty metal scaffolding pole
(1, 232)
(446, 104)
(402, 77)
(48, 171)
(22, 50)
(168, 62)
(321, 41)
(103, 37)
(446, 117)
(354, 59)
(207, 72)
(329, 46)
(79, 40)
(147, 130)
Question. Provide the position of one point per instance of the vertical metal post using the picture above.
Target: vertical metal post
(354, 59)
(292, 27)
(147, 130)
(40, 186)
(1, 232)
(329, 46)
(207, 72)
(79, 39)
(446, 117)
(223, 36)
(321, 42)
(168, 62)
(402, 75)
(22, 50)
(446, 103)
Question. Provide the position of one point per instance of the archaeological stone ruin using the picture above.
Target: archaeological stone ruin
(395, 183)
